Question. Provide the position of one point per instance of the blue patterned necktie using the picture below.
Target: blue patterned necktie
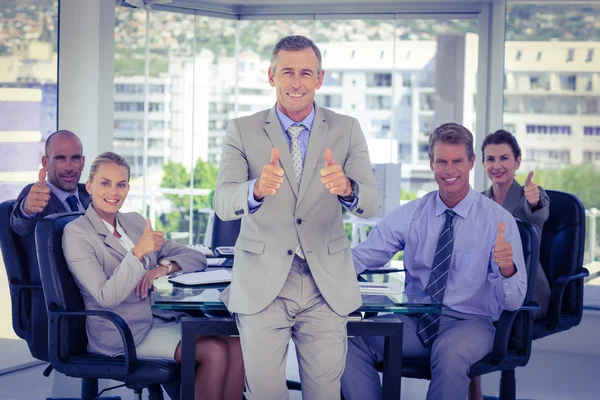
(430, 322)
(72, 200)
(296, 153)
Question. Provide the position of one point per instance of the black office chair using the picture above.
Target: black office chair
(561, 256)
(29, 318)
(67, 328)
(512, 343)
(224, 233)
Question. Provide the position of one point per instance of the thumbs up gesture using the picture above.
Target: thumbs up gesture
(270, 179)
(39, 195)
(532, 192)
(333, 177)
(503, 254)
(149, 242)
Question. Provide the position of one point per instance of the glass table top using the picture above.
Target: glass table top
(380, 293)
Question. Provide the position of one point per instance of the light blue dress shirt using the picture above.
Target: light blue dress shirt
(286, 122)
(62, 196)
(474, 285)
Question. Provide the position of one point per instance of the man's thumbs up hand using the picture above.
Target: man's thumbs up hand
(39, 195)
(270, 179)
(333, 177)
(503, 254)
(532, 192)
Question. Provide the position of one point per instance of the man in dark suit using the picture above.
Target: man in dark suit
(62, 165)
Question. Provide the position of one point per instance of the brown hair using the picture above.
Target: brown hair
(454, 134)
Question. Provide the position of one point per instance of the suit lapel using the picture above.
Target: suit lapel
(513, 197)
(318, 134)
(58, 206)
(109, 239)
(273, 130)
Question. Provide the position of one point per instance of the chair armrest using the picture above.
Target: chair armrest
(556, 296)
(504, 328)
(130, 355)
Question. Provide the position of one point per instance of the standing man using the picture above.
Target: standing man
(462, 249)
(286, 172)
(57, 190)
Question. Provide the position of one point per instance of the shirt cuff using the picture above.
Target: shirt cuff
(253, 205)
(350, 206)
(23, 214)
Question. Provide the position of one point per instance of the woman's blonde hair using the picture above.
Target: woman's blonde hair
(108, 157)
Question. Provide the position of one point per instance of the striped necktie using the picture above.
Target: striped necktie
(430, 322)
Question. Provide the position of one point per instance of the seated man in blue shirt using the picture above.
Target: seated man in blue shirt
(461, 249)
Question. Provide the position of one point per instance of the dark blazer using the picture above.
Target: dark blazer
(107, 276)
(516, 203)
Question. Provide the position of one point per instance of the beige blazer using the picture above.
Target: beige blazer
(107, 275)
(308, 214)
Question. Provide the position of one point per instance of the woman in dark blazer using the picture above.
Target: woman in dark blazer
(501, 156)
(114, 258)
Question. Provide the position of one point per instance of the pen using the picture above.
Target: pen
(173, 275)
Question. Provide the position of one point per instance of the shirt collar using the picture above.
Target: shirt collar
(61, 194)
(462, 208)
(286, 121)
(111, 229)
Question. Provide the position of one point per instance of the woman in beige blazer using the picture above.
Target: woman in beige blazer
(114, 258)
(501, 156)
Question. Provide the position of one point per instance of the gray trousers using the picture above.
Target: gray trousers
(301, 313)
(462, 341)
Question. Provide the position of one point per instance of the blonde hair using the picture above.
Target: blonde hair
(109, 157)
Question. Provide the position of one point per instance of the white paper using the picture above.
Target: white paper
(203, 278)
(214, 262)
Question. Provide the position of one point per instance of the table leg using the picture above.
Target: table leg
(392, 365)
(188, 362)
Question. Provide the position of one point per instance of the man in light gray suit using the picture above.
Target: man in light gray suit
(293, 274)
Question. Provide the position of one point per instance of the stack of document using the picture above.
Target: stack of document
(376, 288)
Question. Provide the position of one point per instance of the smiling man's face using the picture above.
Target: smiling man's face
(295, 80)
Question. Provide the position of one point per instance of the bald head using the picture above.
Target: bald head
(63, 160)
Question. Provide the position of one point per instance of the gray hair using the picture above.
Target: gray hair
(53, 135)
(108, 157)
(452, 133)
(296, 43)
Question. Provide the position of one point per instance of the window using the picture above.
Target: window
(379, 79)
(568, 82)
(333, 78)
(329, 100)
(539, 82)
(378, 102)
(28, 89)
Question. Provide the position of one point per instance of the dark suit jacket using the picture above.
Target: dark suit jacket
(516, 204)
(37, 324)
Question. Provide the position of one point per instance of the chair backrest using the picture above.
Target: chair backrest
(225, 233)
(562, 247)
(17, 272)
(60, 290)
(522, 330)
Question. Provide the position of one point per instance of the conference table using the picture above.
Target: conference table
(381, 293)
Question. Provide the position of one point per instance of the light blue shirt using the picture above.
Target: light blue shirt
(285, 123)
(475, 284)
(62, 196)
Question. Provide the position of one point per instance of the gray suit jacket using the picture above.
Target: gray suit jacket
(516, 204)
(107, 275)
(308, 214)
